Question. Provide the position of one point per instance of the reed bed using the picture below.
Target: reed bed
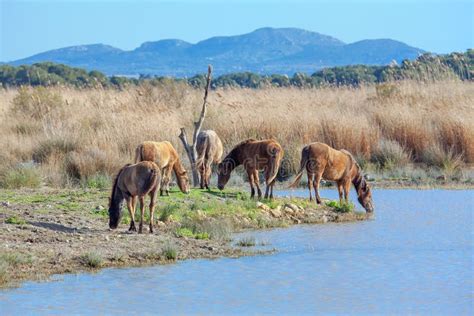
(72, 136)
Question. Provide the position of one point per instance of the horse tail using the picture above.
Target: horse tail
(276, 152)
(303, 164)
(204, 146)
(139, 153)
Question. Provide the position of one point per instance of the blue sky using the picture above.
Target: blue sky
(30, 27)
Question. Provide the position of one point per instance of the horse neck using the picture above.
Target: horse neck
(116, 199)
(358, 179)
(178, 168)
(234, 158)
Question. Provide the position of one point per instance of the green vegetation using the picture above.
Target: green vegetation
(169, 252)
(246, 242)
(341, 208)
(21, 176)
(92, 260)
(12, 260)
(15, 220)
(427, 67)
(187, 232)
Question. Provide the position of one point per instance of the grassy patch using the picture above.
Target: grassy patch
(10, 260)
(341, 208)
(92, 260)
(15, 220)
(246, 242)
(20, 177)
(169, 252)
(186, 232)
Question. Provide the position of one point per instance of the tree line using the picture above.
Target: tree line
(427, 67)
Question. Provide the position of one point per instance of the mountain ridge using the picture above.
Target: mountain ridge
(265, 50)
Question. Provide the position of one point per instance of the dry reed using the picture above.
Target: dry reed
(76, 134)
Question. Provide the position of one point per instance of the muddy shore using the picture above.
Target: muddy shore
(45, 232)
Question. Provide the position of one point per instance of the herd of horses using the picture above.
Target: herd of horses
(156, 161)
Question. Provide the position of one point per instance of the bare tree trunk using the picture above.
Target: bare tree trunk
(191, 148)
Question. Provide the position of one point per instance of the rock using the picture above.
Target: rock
(275, 212)
(5, 203)
(106, 237)
(262, 206)
(292, 206)
(324, 219)
(200, 214)
(100, 208)
(289, 210)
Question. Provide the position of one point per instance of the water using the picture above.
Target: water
(415, 257)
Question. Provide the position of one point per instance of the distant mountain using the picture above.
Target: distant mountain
(266, 50)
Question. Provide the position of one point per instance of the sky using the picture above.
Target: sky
(34, 26)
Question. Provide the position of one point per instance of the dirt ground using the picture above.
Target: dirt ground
(46, 231)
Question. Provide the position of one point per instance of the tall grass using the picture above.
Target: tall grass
(75, 135)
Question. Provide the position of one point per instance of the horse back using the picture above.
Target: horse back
(161, 153)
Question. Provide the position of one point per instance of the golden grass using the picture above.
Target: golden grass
(76, 134)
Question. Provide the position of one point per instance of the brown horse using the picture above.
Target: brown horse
(167, 158)
(324, 162)
(209, 150)
(131, 181)
(254, 155)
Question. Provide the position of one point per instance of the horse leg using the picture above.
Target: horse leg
(141, 198)
(256, 180)
(201, 174)
(131, 202)
(316, 182)
(208, 174)
(271, 188)
(310, 185)
(347, 188)
(250, 173)
(339, 188)
(152, 208)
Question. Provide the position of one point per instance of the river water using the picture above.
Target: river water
(416, 256)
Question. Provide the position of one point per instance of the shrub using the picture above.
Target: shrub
(98, 181)
(390, 154)
(15, 220)
(169, 252)
(92, 259)
(341, 208)
(50, 147)
(246, 242)
(37, 102)
(22, 176)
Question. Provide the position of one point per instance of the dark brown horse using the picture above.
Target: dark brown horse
(324, 162)
(167, 158)
(254, 155)
(134, 181)
(209, 150)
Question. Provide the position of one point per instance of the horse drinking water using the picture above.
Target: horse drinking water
(324, 162)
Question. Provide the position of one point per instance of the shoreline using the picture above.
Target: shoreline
(47, 232)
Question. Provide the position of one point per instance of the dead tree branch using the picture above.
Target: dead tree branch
(191, 148)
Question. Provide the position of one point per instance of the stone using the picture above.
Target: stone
(324, 219)
(99, 208)
(275, 212)
(5, 203)
(292, 206)
(262, 206)
(288, 210)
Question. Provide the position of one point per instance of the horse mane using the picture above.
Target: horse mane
(358, 180)
(245, 142)
(114, 186)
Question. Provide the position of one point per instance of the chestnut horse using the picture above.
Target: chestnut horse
(167, 158)
(209, 150)
(254, 155)
(324, 162)
(134, 181)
